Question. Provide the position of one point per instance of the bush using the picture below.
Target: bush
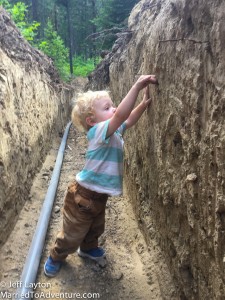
(54, 47)
(18, 12)
(84, 67)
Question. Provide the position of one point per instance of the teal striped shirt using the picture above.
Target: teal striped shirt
(103, 170)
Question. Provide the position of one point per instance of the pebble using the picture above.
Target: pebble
(57, 209)
(191, 177)
(119, 276)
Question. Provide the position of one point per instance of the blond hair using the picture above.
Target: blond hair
(83, 108)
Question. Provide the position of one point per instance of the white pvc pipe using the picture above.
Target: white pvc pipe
(29, 274)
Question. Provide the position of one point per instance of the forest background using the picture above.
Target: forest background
(74, 33)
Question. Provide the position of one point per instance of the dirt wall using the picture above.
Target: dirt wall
(174, 166)
(34, 107)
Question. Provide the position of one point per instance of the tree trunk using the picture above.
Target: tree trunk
(93, 50)
(70, 36)
(35, 10)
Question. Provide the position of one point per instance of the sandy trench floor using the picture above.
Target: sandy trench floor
(133, 270)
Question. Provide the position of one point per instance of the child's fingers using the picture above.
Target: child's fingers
(149, 100)
(149, 79)
(145, 80)
(146, 93)
(147, 96)
(153, 79)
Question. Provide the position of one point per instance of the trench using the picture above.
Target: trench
(183, 140)
(134, 270)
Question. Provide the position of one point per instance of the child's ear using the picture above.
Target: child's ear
(90, 121)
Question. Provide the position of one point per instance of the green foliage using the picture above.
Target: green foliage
(5, 4)
(30, 32)
(56, 25)
(18, 12)
(84, 67)
(54, 47)
(112, 14)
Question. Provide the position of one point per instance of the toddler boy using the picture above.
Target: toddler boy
(85, 200)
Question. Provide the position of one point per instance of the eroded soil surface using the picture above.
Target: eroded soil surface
(133, 270)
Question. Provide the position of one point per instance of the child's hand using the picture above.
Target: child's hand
(145, 80)
(146, 99)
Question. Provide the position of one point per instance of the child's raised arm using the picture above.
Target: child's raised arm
(125, 108)
(138, 111)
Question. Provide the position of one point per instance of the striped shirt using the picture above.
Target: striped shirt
(103, 170)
